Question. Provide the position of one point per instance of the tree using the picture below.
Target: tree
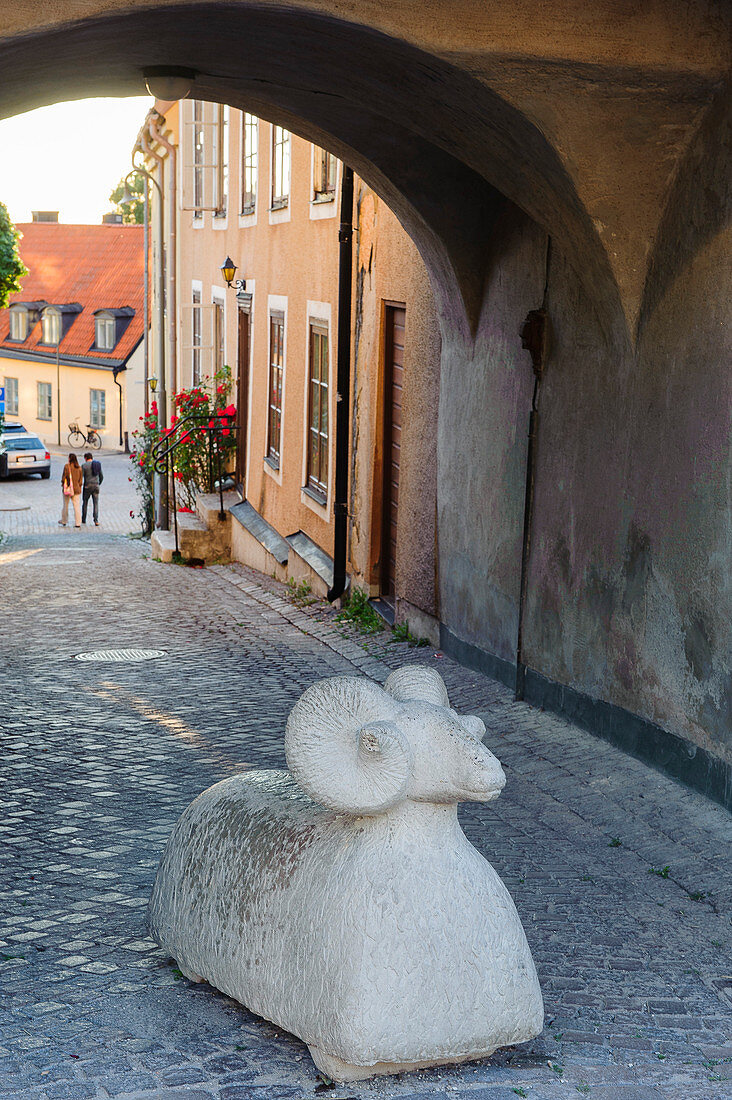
(12, 268)
(133, 213)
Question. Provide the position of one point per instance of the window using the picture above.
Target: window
(45, 403)
(280, 167)
(11, 396)
(325, 170)
(97, 408)
(206, 175)
(51, 326)
(249, 154)
(219, 334)
(196, 338)
(105, 328)
(318, 411)
(18, 323)
(198, 142)
(276, 366)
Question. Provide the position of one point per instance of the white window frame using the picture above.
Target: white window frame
(11, 396)
(98, 414)
(51, 318)
(280, 147)
(105, 323)
(19, 323)
(218, 301)
(276, 303)
(249, 164)
(318, 313)
(44, 393)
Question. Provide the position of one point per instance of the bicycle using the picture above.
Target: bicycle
(78, 439)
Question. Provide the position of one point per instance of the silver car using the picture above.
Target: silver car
(25, 454)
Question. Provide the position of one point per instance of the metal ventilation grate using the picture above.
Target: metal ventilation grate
(121, 655)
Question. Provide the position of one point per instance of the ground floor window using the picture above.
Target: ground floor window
(276, 367)
(11, 396)
(318, 411)
(97, 408)
(196, 338)
(45, 401)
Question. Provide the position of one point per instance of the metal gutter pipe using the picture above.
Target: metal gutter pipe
(119, 386)
(343, 385)
(153, 128)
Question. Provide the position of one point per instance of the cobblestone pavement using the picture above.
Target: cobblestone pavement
(100, 759)
(29, 505)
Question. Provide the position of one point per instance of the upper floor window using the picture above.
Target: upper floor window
(276, 368)
(105, 332)
(249, 156)
(325, 171)
(18, 323)
(51, 326)
(280, 167)
(206, 169)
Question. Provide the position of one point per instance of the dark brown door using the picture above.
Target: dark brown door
(394, 322)
(242, 400)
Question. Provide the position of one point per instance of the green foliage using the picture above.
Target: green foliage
(133, 213)
(615, 842)
(662, 872)
(300, 592)
(402, 633)
(359, 613)
(520, 1092)
(12, 268)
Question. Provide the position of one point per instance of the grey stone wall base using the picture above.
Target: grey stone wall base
(676, 757)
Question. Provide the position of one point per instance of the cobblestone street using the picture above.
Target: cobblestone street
(620, 876)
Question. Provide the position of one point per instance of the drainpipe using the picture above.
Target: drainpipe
(119, 386)
(153, 128)
(161, 511)
(343, 385)
(534, 339)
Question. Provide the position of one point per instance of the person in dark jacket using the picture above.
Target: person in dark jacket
(93, 478)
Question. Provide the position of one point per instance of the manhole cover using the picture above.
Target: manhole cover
(121, 655)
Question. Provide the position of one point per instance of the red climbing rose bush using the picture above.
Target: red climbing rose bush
(196, 459)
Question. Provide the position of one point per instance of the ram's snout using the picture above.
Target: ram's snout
(484, 778)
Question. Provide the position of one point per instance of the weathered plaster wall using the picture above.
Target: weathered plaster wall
(388, 268)
(485, 398)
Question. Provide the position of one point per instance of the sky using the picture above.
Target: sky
(68, 157)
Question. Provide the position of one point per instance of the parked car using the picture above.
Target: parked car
(13, 428)
(25, 454)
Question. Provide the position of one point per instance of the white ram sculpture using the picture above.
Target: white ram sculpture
(371, 928)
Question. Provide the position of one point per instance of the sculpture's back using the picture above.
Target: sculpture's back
(371, 928)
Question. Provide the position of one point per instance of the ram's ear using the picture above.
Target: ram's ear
(474, 725)
(417, 683)
(345, 749)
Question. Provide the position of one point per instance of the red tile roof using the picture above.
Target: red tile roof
(98, 266)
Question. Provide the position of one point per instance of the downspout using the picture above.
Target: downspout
(534, 339)
(153, 125)
(161, 510)
(343, 385)
(115, 372)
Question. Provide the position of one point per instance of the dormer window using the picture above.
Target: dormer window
(105, 327)
(18, 323)
(51, 326)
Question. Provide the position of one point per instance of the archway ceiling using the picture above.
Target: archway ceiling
(580, 114)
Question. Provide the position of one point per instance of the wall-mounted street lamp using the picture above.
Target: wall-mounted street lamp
(152, 383)
(228, 270)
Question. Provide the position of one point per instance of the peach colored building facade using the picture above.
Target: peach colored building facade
(270, 201)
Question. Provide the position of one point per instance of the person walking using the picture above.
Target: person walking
(71, 482)
(93, 478)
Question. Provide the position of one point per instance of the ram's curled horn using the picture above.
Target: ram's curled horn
(419, 683)
(345, 750)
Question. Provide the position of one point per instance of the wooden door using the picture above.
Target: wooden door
(242, 400)
(394, 322)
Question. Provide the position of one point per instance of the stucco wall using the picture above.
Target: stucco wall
(485, 397)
